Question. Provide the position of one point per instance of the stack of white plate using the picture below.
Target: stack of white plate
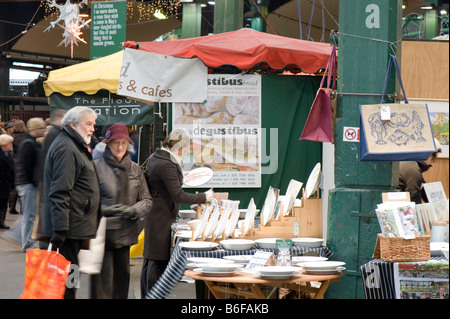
(237, 244)
(304, 259)
(307, 242)
(219, 269)
(198, 245)
(322, 267)
(277, 272)
(241, 259)
(267, 243)
(196, 262)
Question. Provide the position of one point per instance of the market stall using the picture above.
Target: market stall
(94, 84)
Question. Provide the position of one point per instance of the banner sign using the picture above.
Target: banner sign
(159, 78)
(225, 131)
(110, 107)
(108, 27)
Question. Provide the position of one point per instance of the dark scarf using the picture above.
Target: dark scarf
(123, 167)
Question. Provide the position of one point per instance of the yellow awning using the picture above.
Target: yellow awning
(88, 77)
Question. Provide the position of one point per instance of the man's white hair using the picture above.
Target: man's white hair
(76, 114)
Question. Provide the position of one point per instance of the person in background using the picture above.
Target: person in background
(9, 127)
(411, 176)
(28, 172)
(20, 129)
(125, 199)
(6, 175)
(165, 180)
(71, 200)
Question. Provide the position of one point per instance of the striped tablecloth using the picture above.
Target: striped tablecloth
(379, 279)
(176, 267)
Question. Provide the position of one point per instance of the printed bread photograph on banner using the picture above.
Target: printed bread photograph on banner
(225, 130)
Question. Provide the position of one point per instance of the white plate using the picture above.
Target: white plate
(198, 176)
(237, 244)
(267, 243)
(185, 234)
(313, 181)
(239, 258)
(436, 248)
(277, 270)
(269, 205)
(202, 223)
(277, 276)
(187, 214)
(324, 272)
(303, 259)
(322, 265)
(221, 223)
(214, 274)
(231, 223)
(207, 260)
(198, 245)
(307, 242)
(249, 217)
(221, 267)
(212, 222)
(291, 194)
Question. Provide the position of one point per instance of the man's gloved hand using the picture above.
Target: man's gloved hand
(129, 212)
(58, 239)
(112, 210)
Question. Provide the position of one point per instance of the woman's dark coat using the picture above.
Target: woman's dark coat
(165, 178)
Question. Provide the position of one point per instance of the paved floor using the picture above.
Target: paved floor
(12, 266)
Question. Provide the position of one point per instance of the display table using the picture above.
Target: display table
(385, 280)
(176, 267)
(250, 286)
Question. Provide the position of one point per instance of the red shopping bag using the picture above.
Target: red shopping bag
(319, 125)
(46, 272)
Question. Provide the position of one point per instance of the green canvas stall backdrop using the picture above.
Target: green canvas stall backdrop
(286, 101)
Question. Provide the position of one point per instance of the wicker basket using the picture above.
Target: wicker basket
(397, 249)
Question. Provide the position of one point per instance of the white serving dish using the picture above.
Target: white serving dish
(302, 259)
(185, 234)
(324, 271)
(198, 245)
(267, 243)
(207, 260)
(187, 214)
(322, 265)
(275, 277)
(221, 267)
(214, 274)
(277, 270)
(307, 242)
(237, 244)
(243, 259)
(436, 248)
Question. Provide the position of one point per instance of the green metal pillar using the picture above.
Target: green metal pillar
(432, 23)
(228, 15)
(192, 20)
(258, 23)
(366, 30)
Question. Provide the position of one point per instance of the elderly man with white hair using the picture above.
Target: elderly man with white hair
(165, 180)
(71, 199)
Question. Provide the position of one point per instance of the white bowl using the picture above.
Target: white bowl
(277, 270)
(193, 224)
(267, 243)
(237, 244)
(221, 267)
(307, 242)
(243, 259)
(303, 259)
(187, 214)
(322, 265)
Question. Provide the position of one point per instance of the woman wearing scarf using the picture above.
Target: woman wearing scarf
(125, 199)
(165, 180)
